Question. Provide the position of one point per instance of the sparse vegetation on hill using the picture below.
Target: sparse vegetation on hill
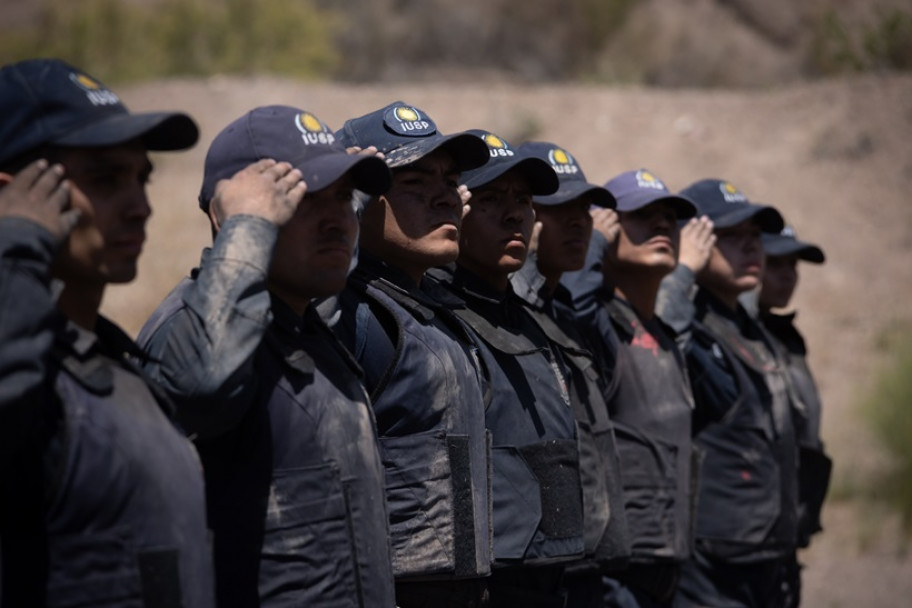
(122, 41)
(889, 410)
(695, 43)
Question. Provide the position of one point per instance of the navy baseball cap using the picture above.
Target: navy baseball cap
(572, 182)
(48, 102)
(502, 158)
(727, 206)
(288, 134)
(786, 243)
(639, 188)
(405, 134)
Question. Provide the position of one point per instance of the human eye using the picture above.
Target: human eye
(411, 178)
(451, 180)
(105, 179)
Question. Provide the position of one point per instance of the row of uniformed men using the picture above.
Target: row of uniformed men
(454, 422)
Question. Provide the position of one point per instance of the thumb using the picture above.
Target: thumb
(68, 220)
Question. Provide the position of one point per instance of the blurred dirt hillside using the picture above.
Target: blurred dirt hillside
(806, 106)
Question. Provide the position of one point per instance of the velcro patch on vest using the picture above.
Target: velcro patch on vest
(556, 465)
(160, 577)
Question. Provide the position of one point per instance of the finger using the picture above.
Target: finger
(464, 194)
(705, 229)
(291, 179)
(51, 182)
(32, 172)
(216, 209)
(536, 233)
(279, 170)
(298, 191)
(262, 165)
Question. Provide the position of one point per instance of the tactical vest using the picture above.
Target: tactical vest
(430, 409)
(748, 490)
(537, 490)
(125, 519)
(652, 412)
(815, 467)
(295, 491)
(606, 533)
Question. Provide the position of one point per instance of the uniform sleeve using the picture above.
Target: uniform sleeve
(712, 381)
(26, 328)
(674, 304)
(202, 351)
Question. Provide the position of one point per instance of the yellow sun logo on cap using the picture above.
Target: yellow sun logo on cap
(87, 82)
(310, 122)
(561, 157)
(493, 141)
(729, 189)
(406, 114)
(646, 176)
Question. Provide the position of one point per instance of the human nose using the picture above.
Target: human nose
(580, 218)
(664, 222)
(339, 216)
(446, 195)
(138, 206)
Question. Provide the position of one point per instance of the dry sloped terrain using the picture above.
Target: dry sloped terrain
(834, 156)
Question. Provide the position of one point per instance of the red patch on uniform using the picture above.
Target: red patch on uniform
(745, 475)
(644, 339)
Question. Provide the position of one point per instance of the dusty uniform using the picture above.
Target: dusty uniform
(536, 490)
(592, 384)
(815, 465)
(421, 371)
(652, 411)
(101, 497)
(747, 512)
(283, 425)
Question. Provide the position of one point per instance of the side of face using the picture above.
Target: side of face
(496, 231)
(315, 248)
(736, 262)
(415, 225)
(564, 237)
(648, 239)
(109, 188)
(780, 277)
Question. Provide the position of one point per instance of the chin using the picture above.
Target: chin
(444, 254)
(122, 276)
(511, 264)
(747, 283)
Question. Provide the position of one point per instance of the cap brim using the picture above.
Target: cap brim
(369, 173)
(766, 217)
(468, 151)
(541, 177)
(774, 244)
(684, 207)
(159, 131)
(569, 190)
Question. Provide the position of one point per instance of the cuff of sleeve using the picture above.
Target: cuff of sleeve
(248, 239)
(685, 276)
(26, 240)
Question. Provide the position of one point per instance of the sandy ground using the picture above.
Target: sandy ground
(835, 157)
